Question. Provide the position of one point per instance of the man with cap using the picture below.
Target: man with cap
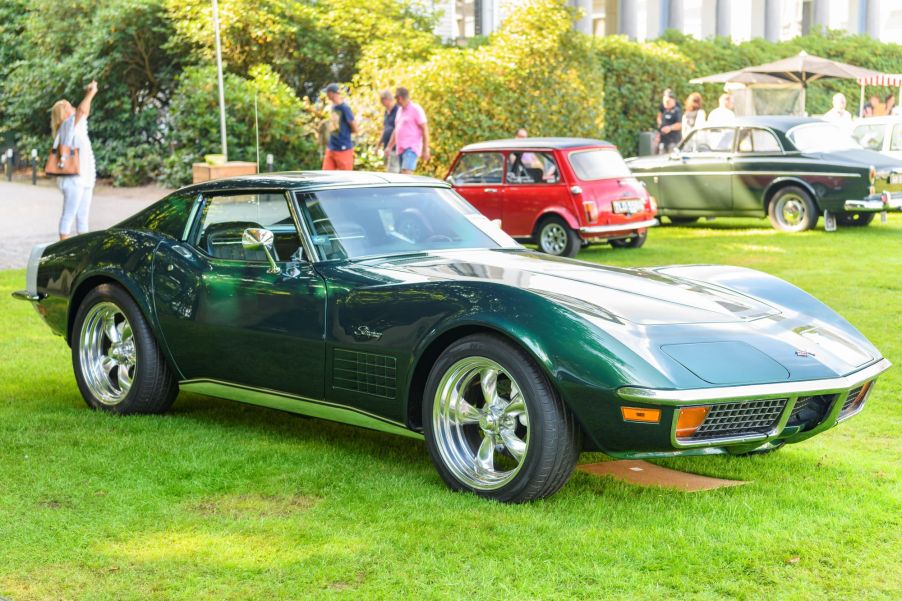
(411, 136)
(670, 122)
(340, 147)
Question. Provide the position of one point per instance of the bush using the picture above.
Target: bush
(534, 73)
(286, 123)
(135, 165)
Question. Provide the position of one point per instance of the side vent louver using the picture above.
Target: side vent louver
(365, 372)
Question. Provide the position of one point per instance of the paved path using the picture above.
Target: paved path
(30, 214)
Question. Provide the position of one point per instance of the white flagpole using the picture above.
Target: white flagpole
(257, 131)
(222, 119)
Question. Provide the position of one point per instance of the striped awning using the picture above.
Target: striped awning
(882, 79)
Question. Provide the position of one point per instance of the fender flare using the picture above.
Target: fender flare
(784, 181)
(556, 211)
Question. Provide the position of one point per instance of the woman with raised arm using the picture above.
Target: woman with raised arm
(69, 127)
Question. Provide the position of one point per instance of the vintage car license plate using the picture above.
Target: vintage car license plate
(628, 206)
(895, 178)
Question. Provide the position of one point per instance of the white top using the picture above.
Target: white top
(77, 137)
(721, 116)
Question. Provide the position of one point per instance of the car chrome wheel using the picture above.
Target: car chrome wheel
(107, 353)
(791, 211)
(481, 423)
(553, 239)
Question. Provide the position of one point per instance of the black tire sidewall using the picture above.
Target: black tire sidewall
(146, 351)
(574, 242)
(540, 400)
(812, 213)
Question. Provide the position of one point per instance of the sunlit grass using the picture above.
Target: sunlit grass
(219, 500)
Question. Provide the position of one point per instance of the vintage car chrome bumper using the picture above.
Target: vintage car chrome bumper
(888, 201)
(737, 404)
(31, 275)
(623, 227)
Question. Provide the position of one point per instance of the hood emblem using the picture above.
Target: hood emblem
(366, 332)
(801, 353)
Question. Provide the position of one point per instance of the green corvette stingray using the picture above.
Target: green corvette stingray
(388, 302)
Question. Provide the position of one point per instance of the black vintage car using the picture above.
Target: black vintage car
(791, 169)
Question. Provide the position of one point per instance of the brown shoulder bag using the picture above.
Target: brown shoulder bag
(63, 160)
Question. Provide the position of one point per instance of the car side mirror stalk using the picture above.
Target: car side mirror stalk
(255, 238)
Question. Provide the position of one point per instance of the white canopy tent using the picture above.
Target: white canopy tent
(880, 79)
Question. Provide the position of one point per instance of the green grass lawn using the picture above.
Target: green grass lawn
(220, 500)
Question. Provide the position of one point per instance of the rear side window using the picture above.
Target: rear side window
(712, 139)
(167, 217)
(532, 168)
(895, 142)
(479, 168)
(598, 164)
(758, 140)
(870, 136)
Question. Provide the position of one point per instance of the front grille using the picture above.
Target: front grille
(850, 400)
(742, 418)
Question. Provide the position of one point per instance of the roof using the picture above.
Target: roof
(533, 143)
(299, 180)
(778, 122)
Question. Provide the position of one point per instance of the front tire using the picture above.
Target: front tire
(855, 219)
(494, 425)
(792, 210)
(118, 364)
(556, 238)
(634, 241)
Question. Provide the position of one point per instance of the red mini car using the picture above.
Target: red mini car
(560, 193)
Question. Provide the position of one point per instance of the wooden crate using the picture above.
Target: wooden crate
(203, 172)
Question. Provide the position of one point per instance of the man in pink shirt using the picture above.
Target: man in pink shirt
(411, 136)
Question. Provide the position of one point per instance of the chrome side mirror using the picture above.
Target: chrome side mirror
(255, 238)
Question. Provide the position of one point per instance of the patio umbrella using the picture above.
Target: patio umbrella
(804, 68)
(741, 76)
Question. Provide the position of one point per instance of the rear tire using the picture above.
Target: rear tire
(634, 241)
(555, 237)
(854, 219)
(118, 364)
(494, 425)
(792, 210)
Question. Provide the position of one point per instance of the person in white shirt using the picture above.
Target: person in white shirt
(69, 127)
(693, 114)
(723, 114)
(838, 114)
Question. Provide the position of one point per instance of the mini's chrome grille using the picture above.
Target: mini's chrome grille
(741, 418)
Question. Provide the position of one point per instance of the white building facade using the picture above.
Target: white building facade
(740, 20)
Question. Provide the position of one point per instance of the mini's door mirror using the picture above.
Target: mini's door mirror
(450, 179)
(256, 238)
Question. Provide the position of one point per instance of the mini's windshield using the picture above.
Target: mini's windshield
(821, 137)
(599, 164)
(362, 222)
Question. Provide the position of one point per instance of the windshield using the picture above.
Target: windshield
(362, 222)
(821, 137)
(598, 164)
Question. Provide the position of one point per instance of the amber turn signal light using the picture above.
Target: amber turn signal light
(689, 420)
(647, 416)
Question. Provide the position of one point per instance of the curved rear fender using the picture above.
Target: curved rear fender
(782, 182)
(558, 211)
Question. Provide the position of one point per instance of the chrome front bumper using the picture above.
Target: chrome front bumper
(623, 227)
(885, 202)
(792, 391)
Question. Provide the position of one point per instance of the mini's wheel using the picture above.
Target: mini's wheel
(682, 220)
(493, 423)
(792, 210)
(118, 364)
(634, 241)
(555, 237)
(854, 219)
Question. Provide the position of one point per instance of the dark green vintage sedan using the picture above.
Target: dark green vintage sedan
(388, 302)
(790, 169)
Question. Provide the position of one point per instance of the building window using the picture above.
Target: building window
(605, 16)
(468, 17)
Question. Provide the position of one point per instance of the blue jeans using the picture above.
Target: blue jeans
(409, 160)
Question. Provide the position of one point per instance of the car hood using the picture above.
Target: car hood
(639, 296)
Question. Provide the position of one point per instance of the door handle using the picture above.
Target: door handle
(491, 190)
(182, 250)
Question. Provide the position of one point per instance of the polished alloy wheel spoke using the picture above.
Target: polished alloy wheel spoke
(485, 456)
(515, 446)
(125, 380)
(107, 364)
(463, 412)
(110, 330)
(488, 381)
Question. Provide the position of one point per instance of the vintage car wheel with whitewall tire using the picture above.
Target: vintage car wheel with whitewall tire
(118, 364)
(793, 210)
(556, 238)
(634, 241)
(493, 423)
(855, 219)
